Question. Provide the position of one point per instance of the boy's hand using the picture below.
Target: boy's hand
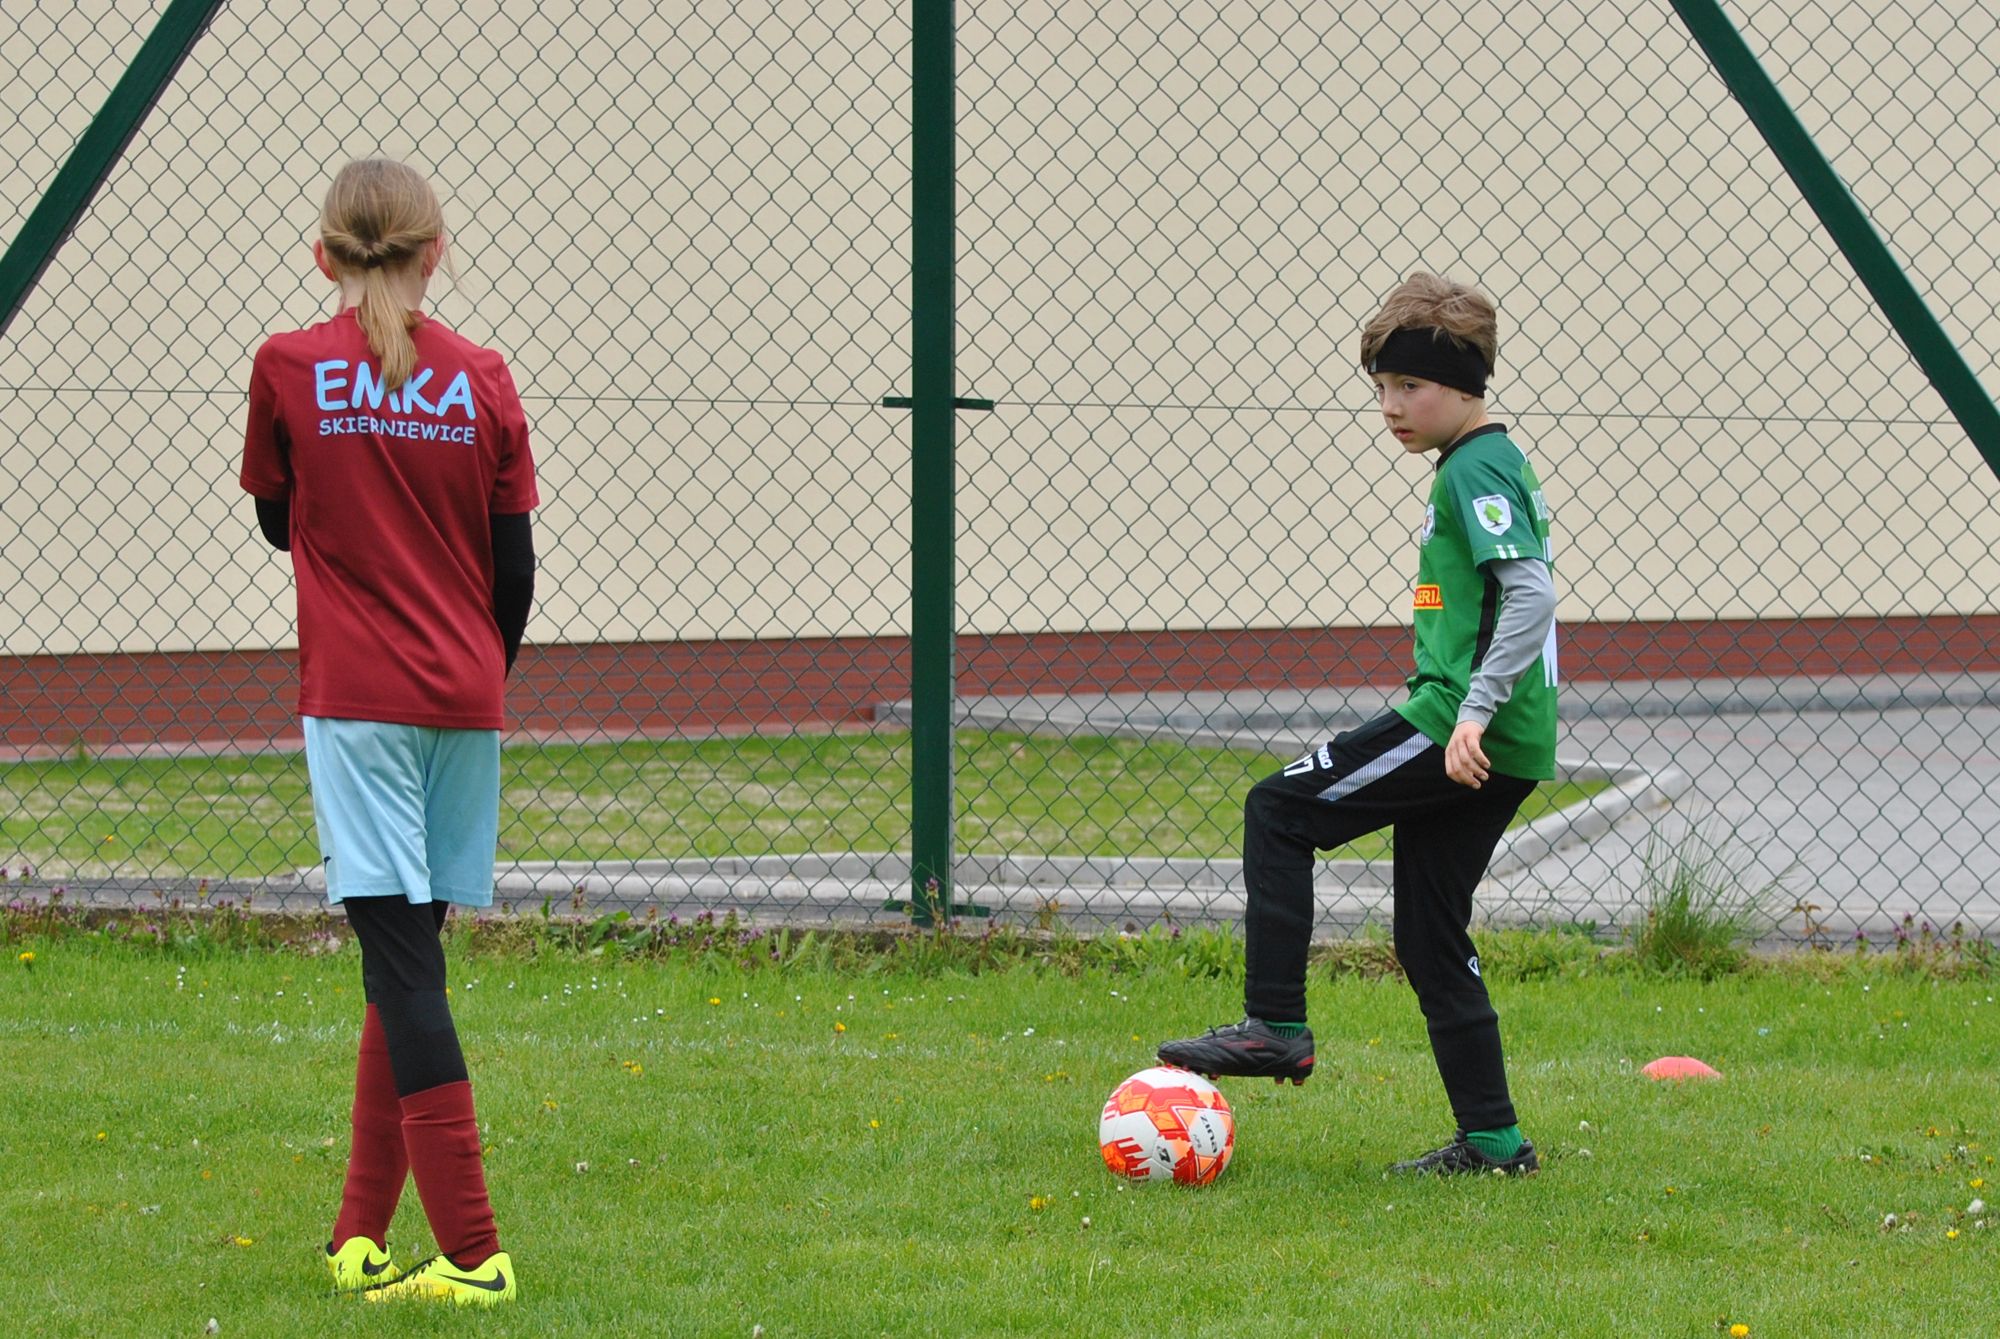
(1464, 761)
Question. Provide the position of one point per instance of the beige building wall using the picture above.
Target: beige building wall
(689, 232)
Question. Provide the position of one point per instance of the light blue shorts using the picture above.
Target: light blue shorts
(406, 810)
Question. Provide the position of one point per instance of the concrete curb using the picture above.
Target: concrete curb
(1310, 715)
(1084, 892)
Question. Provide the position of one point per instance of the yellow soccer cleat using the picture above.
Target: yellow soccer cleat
(358, 1264)
(439, 1280)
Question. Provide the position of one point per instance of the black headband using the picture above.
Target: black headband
(1434, 355)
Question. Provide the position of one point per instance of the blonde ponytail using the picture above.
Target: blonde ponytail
(387, 323)
(378, 217)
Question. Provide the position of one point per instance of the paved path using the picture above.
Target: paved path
(1865, 800)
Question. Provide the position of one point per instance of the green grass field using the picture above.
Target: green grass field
(243, 817)
(689, 1148)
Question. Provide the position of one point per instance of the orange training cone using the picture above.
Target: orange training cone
(1679, 1067)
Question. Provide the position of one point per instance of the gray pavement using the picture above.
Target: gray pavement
(1853, 803)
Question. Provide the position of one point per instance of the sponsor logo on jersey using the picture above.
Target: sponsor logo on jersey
(1472, 964)
(1428, 597)
(333, 390)
(339, 385)
(1495, 516)
(1430, 523)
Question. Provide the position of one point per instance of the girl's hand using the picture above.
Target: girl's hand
(1464, 761)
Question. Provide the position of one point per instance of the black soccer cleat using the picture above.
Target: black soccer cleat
(1459, 1158)
(1249, 1049)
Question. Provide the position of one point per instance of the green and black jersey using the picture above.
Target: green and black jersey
(1486, 503)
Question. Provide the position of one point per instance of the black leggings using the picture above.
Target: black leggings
(402, 975)
(1385, 774)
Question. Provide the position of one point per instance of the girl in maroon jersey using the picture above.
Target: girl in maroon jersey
(390, 457)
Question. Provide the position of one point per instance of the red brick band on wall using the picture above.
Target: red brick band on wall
(52, 704)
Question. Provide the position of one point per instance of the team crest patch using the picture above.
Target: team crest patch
(1495, 516)
(1429, 597)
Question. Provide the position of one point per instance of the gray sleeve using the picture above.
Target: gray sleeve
(1527, 612)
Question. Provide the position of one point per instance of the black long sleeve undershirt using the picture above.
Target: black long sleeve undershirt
(513, 579)
(513, 566)
(275, 520)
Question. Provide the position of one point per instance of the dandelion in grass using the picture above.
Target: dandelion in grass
(1739, 1331)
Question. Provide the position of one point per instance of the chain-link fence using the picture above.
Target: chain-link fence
(1184, 547)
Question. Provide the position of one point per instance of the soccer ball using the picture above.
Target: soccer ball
(1165, 1124)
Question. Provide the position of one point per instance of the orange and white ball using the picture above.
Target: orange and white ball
(1165, 1124)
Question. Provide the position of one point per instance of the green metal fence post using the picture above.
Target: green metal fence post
(1837, 208)
(933, 468)
(100, 147)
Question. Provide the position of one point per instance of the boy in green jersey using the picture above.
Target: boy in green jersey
(1448, 768)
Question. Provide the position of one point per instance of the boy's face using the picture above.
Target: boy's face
(1424, 415)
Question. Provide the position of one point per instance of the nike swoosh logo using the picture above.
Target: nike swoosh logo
(498, 1283)
(371, 1269)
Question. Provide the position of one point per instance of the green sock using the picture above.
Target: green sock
(1498, 1145)
(1285, 1029)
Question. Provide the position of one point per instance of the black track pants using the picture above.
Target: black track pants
(402, 974)
(1385, 773)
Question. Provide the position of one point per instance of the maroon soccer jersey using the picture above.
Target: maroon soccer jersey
(390, 494)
